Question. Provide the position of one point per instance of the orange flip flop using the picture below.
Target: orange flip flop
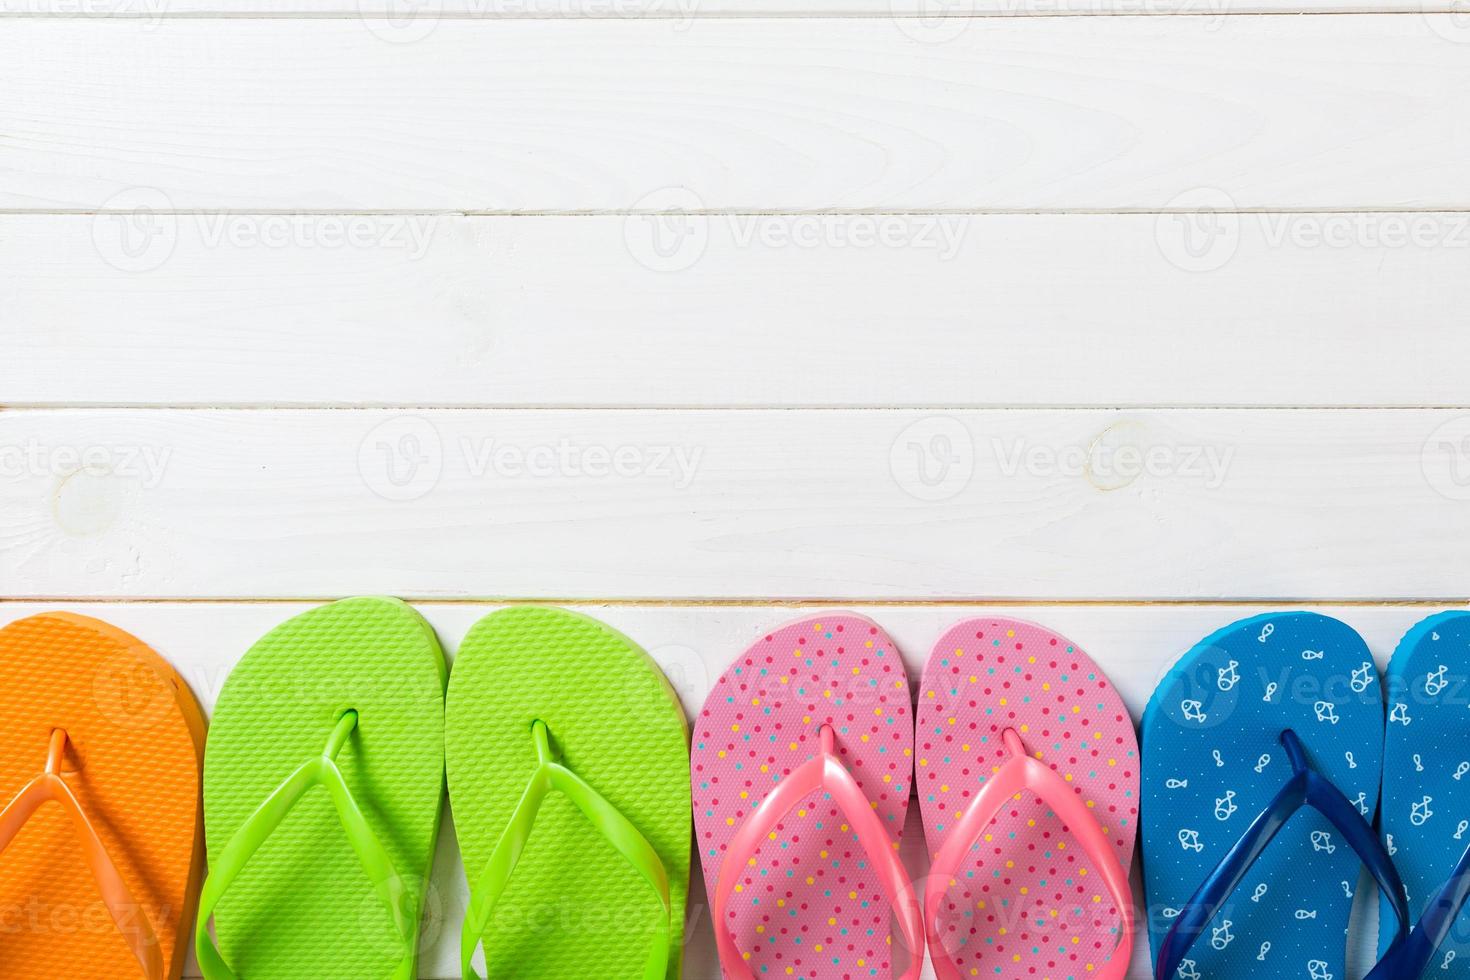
(100, 856)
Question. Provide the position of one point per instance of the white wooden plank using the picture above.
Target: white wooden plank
(937, 20)
(788, 504)
(762, 114)
(898, 310)
(1134, 644)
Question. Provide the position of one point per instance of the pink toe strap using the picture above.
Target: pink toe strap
(824, 772)
(1022, 772)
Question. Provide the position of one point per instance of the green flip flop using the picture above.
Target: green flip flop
(323, 787)
(568, 764)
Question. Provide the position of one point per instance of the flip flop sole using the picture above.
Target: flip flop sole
(574, 907)
(1426, 773)
(810, 906)
(1212, 760)
(1029, 901)
(135, 736)
(303, 907)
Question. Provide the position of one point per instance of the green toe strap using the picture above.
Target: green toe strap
(604, 818)
(321, 771)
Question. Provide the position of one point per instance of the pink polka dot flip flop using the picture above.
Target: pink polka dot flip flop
(1027, 777)
(802, 763)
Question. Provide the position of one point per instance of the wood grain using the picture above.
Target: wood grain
(896, 310)
(934, 19)
(888, 504)
(1355, 112)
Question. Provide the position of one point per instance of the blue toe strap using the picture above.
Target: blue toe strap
(1409, 959)
(1306, 787)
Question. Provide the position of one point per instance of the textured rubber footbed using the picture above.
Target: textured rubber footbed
(574, 907)
(809, 906)
(303, 907)
(1426, 774)
(1029, 902)
(135, 737)
(1213, 760)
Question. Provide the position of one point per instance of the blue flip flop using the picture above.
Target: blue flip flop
(1426, 790)
(1262, 751)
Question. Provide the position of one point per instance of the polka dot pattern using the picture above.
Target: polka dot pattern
(1029, 903)
(809, 906)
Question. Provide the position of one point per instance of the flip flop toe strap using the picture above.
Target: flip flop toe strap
(606, 819)
(127, 914)
(824, 772)
(320, 771)
(1433, 928)
(1306, 787)
(1021, 772)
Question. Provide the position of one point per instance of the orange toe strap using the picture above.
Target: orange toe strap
(126, 913)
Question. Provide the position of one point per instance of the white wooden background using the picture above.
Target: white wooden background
(1130, 316)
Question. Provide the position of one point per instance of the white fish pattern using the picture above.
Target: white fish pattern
(1225, 805)
(1227, 677)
